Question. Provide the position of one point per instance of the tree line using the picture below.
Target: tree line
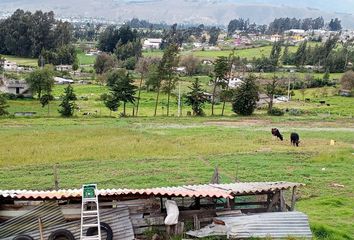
(280, 25)
(27, 34)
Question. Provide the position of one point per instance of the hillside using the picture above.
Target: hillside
(191, 11)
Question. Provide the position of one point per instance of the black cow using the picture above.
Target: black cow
(295, 139)
(276, 133)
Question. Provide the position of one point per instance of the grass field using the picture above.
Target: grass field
(146, 152)
(84, 59)
(243, 53)
(21, 61)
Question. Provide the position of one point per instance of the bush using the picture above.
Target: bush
(276, 112)
(10, 96)
(295, 112)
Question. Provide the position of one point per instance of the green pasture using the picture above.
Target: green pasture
(22, 61)
(147, 152)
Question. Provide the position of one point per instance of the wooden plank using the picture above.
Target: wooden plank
(282, 201)
(275, 200)
(293, 199)
(149, 221)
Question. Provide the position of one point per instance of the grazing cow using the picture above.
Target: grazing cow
(276, 133)
(295, 139)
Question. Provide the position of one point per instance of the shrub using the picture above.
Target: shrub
(276, 112)
(295, 112)
(246, 97)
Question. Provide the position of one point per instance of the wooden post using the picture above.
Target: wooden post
(56, 180)
(275, 200)
(216, 177)
(293, 199)
(196, 222)
(197, 203)
(282, 201)
(40, 229)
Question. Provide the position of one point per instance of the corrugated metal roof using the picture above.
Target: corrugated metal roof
(206, 190)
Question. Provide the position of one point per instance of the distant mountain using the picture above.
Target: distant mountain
(192, 11)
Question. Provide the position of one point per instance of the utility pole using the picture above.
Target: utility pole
(179, 98)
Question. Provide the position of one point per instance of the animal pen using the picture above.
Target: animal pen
(136, 213)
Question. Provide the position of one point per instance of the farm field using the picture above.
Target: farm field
(21, 61)
(146, 152)
(84, 59)
(243, 53)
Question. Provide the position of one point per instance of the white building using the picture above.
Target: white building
(296, 31)
(152, 43)
(17, 87)
(59, 80)
(63, 68)
(10, 66)
(235, 82)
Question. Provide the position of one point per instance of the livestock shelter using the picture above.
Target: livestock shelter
(132, 213)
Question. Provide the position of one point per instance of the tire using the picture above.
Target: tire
(104, 227)
(22, 237)
(60, 234)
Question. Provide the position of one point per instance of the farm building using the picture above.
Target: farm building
(152, 43)
(16, 87)
(130, 213)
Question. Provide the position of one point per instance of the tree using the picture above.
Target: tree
(68, 105)
(275, 54)
(111, 103)
(142, 67)
(3, 105)
(45, 100)
(221, 68)
(300, 55)
(335, 25)
(191, 64)
(225, 93)
(27, 34)
(2, 62)
(214, 35)
(246, 97)
(287, 58)
(41, 80)
(112, 37)
(347, 80)
(196, 98)
(303, 88)
(122, 87)
(127, 50)
(103, 63)
(273, 88)
(167, 72)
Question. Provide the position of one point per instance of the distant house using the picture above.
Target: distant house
(62, 68)
(10, 66)
(59, 81)
(275, 38)
(93, 52)
(235, 82)
(152, 43)
(295, 32)
(345, 93)
(207, 62)
(17, 87)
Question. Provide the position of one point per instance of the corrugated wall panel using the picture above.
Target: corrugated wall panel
(50, 214)
(118, 219)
